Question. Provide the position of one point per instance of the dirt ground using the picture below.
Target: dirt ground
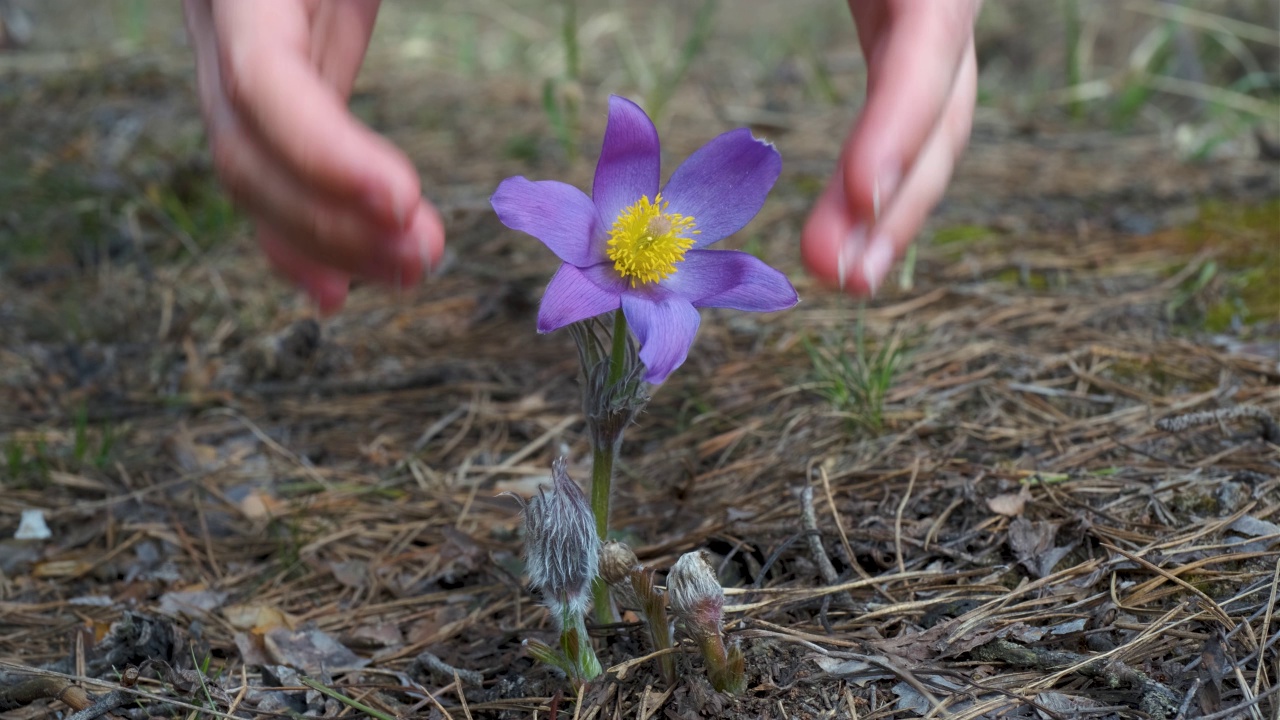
(1070, 506)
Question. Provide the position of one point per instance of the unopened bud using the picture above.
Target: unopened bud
(616, 562)
(562, 549)
(696, 596)
(698, 602)
(609, 403)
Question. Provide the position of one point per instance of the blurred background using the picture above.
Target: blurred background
(1201, 76)
(1135, 63)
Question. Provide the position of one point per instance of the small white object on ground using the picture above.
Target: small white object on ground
(32, 526)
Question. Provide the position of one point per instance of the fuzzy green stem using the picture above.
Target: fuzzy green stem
(602, 469)
(576, 646)
(602, 457)
(618, 359)
(601, 477)
(724, 666)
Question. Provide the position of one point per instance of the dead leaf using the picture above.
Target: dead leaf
(1009, 504)
(259, 619)
(836, 666)
(192, 603)
(432, 626)
(190, 455)
(252, 649)
(1032, 543)
(374, 637)
(312, 651)
(350, 573)
(258, 505)
(1063, 705)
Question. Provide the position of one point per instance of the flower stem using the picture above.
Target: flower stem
(602, 457)
(618, 359)
(602, 467)
(601, 477)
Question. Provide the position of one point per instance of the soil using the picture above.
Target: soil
(1066, 505)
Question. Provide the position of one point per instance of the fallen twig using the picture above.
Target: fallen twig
(819, 553)
(102, 706)
(1177, 423)
(1153, 698)
(40, 688)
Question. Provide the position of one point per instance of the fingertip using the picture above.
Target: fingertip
(433, 232)
(876, 262)
(820, 240)
(833, 243)
(328, 293)
(327, 288)
(394, 193)
(871, 171)
(420, 247)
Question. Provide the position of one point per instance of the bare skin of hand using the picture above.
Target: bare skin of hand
(330, 198)
(333, 200)
(896, 163)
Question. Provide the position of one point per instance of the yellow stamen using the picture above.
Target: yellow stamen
(647, 242)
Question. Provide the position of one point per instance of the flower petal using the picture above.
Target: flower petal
(731, 279)
(665, 325)
(723, 185)
(560, 215)
(577, 294)
(630, 160)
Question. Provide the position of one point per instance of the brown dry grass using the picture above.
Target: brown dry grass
(268, 487)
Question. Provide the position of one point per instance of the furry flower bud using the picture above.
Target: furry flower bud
(616, 562)
(610, 404)
(697, 600)
(562, 549)
(698, 603)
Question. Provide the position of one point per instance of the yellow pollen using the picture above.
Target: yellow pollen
(647, 242)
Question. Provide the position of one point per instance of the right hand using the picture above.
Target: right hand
(331, 199)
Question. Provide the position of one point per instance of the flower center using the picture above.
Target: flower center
(647, 242)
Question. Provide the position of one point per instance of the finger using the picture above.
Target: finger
(836, 240)
(912, 65)
(329, 230)
(827, 232)
(342, 31)
(924, 185)
(326, 287)
(208, 78)
(265, 55)
(427, 229)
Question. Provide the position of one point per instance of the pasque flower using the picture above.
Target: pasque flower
(562, 549)
(562, 555)
(644, 248)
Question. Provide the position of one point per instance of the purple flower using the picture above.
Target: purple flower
(632, 246)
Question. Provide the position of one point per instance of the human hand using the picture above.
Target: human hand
(895, 164)
(330, 198)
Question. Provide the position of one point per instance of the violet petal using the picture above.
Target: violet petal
(731, 279)
(577, 294)
(560, 215)
(665, 324)
(630, 161)
(723, 185)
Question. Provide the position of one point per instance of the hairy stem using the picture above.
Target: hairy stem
(602, 469)
(618, 360)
